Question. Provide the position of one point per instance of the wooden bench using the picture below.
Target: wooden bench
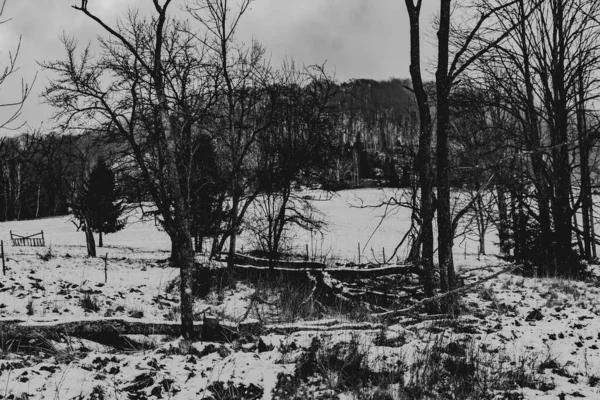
(35, 240)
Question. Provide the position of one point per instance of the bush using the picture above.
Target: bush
(89, 303)
(342, 366)
(533, 250)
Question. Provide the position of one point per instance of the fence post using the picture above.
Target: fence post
(43, 241)
(2, 251)
(358, 253)
(307, 256)
(105, 269)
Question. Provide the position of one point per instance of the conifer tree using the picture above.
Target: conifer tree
(102, 199)
(96, 206)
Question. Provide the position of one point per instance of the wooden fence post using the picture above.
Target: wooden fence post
(358, 253)
(3, 262)
(105, 269)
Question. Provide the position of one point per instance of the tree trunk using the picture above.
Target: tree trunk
(584, 158)
(518, 223)
(578, 237)
(37, 202)
(559, 134)
(481, 225)
(503, 226)
(183, 255)
(445, 231)
(540, 174)
(90, 241)
(545, 240)
(424, 157)
(100, 243)
(233, 233)
(592, 230)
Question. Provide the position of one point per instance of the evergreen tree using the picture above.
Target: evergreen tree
(96, 205)
(104, 207)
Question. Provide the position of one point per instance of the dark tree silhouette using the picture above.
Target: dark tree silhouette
(95, 205)
(102, 201)
(205, 193)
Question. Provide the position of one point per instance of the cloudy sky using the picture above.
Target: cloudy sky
(356, 38)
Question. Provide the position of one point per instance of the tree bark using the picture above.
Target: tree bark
(584, 169)
(424, 156)
(183, 254)
(445, 231)
(90, 241)
(481, 225)
(560, 152)
(234, 227)
(544, 195)
(503, 226)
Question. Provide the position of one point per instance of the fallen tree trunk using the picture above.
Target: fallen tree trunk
(108, 330)
(338, 273)
(303, 327)
(370, 273)
(210, 329)
(241, 259)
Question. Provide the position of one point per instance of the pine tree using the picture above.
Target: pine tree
(96, 205)
(104, 208)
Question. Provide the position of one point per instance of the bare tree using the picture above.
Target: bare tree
(244, 103)
(7, 70)
(424, 157)
(292, 150)
(132, 93)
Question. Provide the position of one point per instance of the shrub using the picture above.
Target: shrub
(89, 303)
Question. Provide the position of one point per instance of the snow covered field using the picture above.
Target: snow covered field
(546, 327)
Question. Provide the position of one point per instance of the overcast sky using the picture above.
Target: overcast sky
(357, 38)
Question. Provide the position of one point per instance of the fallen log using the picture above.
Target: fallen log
(370, 273)
(252, 272)
(112, 331)
(210, 329)
(307, 326)
(242, 259)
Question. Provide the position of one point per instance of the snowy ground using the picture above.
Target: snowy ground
(548, 327)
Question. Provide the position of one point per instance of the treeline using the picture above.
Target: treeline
(368, 129)
(380, 114)
(39, 172)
